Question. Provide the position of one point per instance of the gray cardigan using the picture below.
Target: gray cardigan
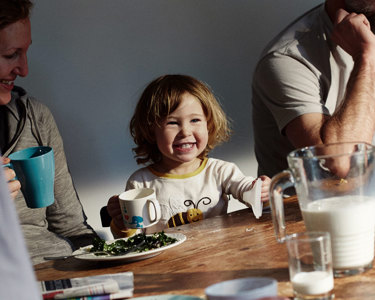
(61, 227)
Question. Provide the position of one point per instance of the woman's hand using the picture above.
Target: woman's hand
(14, 185)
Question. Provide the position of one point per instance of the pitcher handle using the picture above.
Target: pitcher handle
(279, 183)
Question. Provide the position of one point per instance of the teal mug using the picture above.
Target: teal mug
(35, 169)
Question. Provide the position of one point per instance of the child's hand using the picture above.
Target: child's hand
(114, 210)
(266, 181)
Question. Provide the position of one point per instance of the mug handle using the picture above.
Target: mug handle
(156, 209)
(280, 182)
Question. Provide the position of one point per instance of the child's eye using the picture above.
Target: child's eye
(172, 123)
(195, 120)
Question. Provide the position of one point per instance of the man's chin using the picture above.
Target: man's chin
(365, 7)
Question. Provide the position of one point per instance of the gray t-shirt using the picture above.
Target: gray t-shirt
(301, 71)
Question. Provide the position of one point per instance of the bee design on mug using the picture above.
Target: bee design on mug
(191, 215)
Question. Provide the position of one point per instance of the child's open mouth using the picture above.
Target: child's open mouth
(185, 146)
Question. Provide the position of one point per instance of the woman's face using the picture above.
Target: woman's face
(15, 40)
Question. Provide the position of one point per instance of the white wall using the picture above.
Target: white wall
(91, 59)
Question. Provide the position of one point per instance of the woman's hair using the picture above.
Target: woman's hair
(160, 98)
(12, 11)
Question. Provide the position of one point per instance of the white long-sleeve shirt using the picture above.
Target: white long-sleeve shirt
(206, 189)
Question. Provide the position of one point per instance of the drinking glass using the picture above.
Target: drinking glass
(310, 265)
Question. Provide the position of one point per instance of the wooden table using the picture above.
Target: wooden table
(222, 248)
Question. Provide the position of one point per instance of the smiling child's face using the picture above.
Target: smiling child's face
(183, 135)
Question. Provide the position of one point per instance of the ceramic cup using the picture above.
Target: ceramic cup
(249, 288)
(139, 208)
(35, 169)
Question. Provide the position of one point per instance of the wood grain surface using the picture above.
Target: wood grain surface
(222, 248)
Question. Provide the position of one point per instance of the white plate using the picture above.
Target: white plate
(130, 256)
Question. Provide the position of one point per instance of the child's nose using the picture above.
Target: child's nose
(186, 130)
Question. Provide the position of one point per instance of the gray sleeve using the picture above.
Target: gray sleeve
(66, 216)
(289, 87)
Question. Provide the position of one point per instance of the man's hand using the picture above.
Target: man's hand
(352, 32)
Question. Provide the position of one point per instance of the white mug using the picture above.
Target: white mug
(139, 208)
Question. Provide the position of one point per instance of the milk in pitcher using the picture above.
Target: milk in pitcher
(350, 220)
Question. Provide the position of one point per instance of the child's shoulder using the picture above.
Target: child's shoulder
(218, 163)
(223, 169)
(140, 173)
(219, 166)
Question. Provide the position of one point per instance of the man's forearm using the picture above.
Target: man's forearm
(355, 118)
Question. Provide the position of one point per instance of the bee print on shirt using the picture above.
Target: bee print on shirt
(190, 215)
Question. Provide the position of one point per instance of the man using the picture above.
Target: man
(24, 122)
(315, 83)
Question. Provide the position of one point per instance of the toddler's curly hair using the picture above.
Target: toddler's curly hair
(160, 98)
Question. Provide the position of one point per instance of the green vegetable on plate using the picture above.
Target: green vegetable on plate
(139, 242)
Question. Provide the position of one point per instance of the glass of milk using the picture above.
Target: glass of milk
(310, 265)
(335, 185)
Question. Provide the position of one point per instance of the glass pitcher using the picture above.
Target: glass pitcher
(335, 185)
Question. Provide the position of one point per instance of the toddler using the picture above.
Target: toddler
(177, 122)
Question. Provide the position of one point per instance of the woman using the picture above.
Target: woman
(61, 227)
